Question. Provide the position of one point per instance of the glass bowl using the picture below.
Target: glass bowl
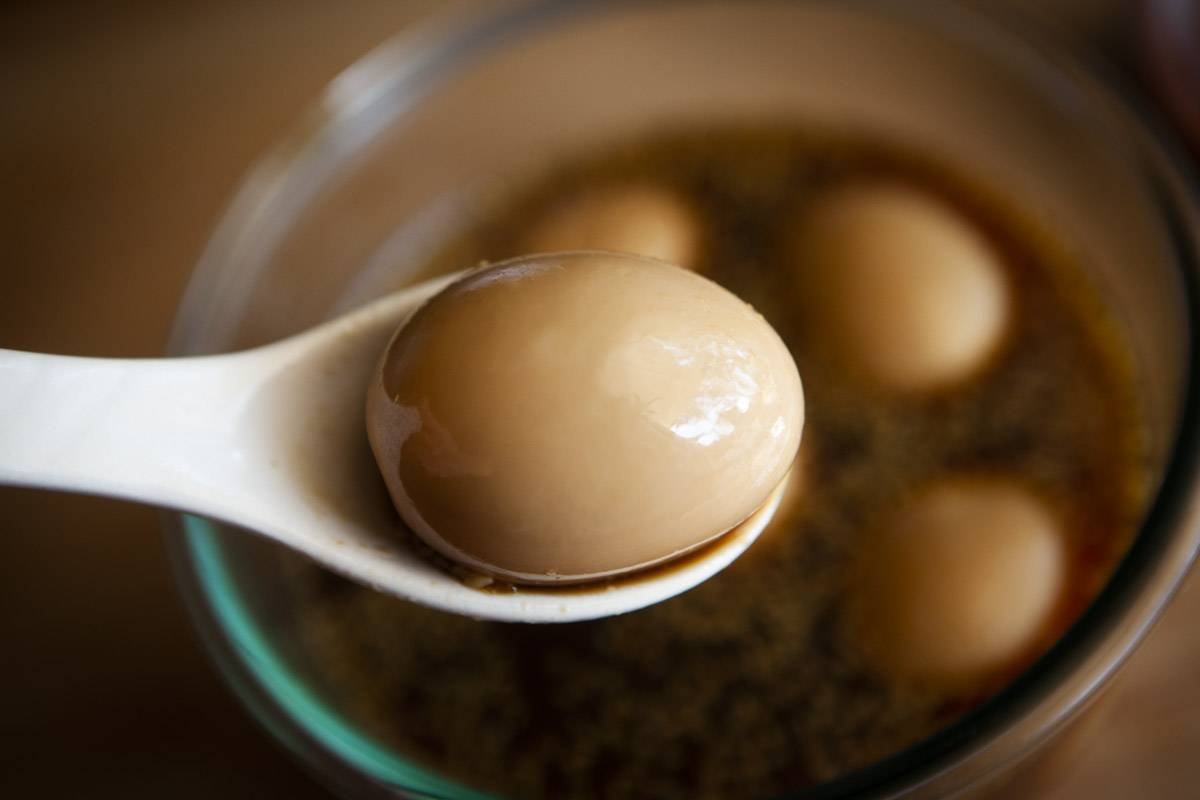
(406, 147)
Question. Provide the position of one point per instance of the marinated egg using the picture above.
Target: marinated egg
(571, 416)
(907, 290)
(958, 583)
(640, 218)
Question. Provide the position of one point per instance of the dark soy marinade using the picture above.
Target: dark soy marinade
(748, 685)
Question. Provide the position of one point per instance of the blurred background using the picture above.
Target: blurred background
(125, 127)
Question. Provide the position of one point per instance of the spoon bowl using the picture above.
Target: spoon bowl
(273, 440)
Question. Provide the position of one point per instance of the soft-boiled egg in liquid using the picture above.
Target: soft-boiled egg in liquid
(907, 291)
(641, 218)
(958, 582)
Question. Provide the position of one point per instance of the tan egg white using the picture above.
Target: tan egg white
(638, 218)
(573, 416)
(902, 285)
(958, 583)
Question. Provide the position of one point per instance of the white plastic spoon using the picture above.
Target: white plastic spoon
(272, 440)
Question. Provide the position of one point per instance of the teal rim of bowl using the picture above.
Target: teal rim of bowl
(295, 699)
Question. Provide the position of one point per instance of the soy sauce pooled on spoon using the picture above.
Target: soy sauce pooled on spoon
(574, 416)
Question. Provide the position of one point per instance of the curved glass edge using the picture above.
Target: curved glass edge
(309, 729)
(1101, 641)
(270, 688)
(403, 68)
(228, 617)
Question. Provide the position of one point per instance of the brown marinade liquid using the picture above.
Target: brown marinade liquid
(747, 686)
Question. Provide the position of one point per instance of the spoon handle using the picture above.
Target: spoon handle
(187, 433)
(154, 430)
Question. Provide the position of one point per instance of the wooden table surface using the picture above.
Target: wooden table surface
(124, 128)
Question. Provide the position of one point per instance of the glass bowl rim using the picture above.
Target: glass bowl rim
(1157, 561)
